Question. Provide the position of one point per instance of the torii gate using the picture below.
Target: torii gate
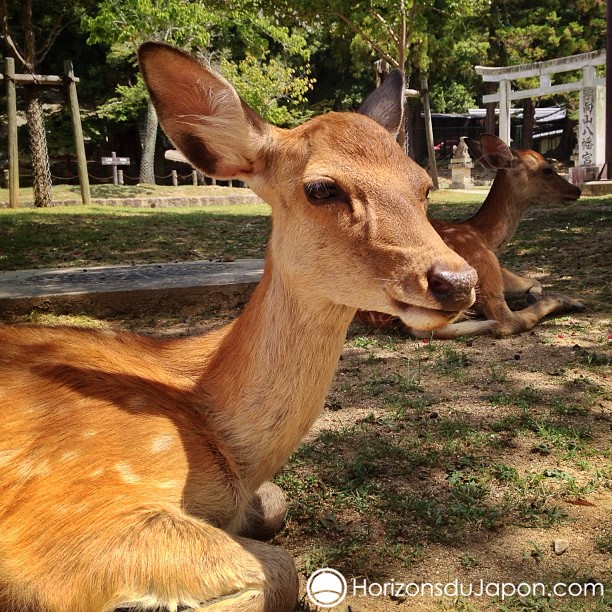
(592, 118)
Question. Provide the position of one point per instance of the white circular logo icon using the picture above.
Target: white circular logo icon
(326, 587)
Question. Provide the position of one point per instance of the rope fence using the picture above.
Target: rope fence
(173, 178)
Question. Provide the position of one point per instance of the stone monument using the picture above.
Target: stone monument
(461, 166)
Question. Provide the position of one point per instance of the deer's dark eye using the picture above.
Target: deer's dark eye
(319, 192)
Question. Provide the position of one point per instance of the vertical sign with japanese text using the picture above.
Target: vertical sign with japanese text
(591, 129)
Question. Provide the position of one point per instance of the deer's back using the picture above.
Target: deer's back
(95, 425)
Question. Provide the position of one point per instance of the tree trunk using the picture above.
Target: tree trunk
(528, 123)
(38, 149)
(147, 163)
(34, 115)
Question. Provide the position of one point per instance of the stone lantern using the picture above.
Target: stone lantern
(461, 166)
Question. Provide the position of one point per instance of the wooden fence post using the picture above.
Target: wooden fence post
(431, 152)
(79, 143)
(13, 152)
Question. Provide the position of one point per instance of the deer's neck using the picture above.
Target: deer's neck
(498, 217)
(269, 375)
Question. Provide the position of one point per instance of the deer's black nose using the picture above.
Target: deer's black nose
(453, 289)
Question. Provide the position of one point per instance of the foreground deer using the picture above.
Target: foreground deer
(132, 468)
(524, 178)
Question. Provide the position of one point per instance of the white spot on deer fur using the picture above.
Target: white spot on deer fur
(42, 468)
(90, 433)
(24, 468)
(126, 473)
(7, 455)
(170, 484)
(97, 472)
(69, 456)
(161, 443)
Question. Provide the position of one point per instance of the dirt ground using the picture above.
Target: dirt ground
(549, 360)
(407, 395)
(455, 462)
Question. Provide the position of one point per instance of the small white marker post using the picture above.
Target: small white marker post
(115, 161)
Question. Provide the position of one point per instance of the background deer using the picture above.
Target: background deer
(524, 178)
(133, 467)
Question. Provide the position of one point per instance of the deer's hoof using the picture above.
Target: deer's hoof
(571, 305)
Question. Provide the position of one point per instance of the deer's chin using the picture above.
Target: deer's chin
(426, 319)
(570, 200)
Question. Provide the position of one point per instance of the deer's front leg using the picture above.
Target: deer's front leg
(521, 286)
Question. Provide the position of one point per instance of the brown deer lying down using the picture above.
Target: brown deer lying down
(524, 178)
(132, 468)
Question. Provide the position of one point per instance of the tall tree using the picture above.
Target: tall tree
(29, 34)
(526, 32)
(386, 29)
(196, 26)
(127, 23)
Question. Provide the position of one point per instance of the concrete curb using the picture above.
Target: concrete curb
(187, 287)
(158, 202)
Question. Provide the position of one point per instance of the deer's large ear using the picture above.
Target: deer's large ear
(495, 153)
(386, 103)
(201, 112)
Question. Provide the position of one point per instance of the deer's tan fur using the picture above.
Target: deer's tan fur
(524, 178)
(130, 466)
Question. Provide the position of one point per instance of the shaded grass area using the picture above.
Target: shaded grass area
(434, 474)
(147, 235)
(422, 470)
(565, 246)
(78, 236)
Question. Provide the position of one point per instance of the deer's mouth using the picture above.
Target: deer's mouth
(420, 317)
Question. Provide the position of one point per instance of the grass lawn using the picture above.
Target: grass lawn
(75, 236)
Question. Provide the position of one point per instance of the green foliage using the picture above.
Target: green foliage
(454, 98)
(128, 104)
(265, 85)
(130, 22)
(254, 51)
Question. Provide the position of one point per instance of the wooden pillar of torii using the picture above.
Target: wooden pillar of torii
(69, 81)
